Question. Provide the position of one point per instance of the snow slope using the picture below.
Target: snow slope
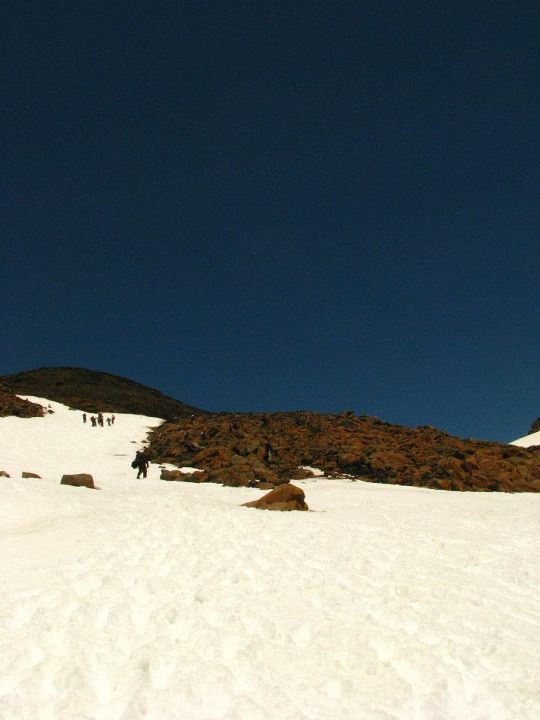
(169, 601)
(528, 440)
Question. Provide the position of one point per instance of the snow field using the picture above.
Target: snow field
(528, 440)
(164, 601)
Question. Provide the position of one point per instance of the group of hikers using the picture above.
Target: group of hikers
(99, 420)
(141, 460)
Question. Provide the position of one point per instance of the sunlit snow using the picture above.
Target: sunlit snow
(528, 440)
(170, 601)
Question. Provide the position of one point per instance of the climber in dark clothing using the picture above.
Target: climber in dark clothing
(141, 462)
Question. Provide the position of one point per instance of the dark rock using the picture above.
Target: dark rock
(26, 474)
(95, 391)
(11, 405)
(3, 473)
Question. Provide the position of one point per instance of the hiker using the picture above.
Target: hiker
(93, 421)
(84, 417)
(140, 462)
(109, 422)
(100, 419)
(112, 420)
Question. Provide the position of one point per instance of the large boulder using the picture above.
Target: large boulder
(284, 497)
(78, 480)
(26, 474)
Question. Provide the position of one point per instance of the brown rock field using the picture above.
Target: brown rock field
(233, 449)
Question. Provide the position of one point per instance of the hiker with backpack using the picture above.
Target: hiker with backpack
(141, 462)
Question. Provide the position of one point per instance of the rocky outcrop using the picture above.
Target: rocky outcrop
(284, 498)
(226, 466)
(78, 480)
(10, 405)
(241, 449)
(26, 474)
(3, 473)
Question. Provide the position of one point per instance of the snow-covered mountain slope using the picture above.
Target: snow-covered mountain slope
(61, 443)
(528, 440)
(170, 601)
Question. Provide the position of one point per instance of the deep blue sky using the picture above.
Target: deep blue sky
(279, 205)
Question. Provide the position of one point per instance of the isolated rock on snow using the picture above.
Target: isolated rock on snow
(26, 474)
(284, 497)
(78, 480)
(3, 473)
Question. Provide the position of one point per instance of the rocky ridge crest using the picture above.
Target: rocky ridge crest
(95, 391)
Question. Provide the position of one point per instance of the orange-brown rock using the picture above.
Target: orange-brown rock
(171, 475)
(26, 474)
(179, 476)
(78, 480)
(214, 456)
(284, 498)
(3, 473)
(234, 476)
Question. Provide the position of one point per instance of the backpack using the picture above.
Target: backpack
(134, 464)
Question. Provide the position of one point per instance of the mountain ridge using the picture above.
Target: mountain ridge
(96, 391)
(242, 448)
